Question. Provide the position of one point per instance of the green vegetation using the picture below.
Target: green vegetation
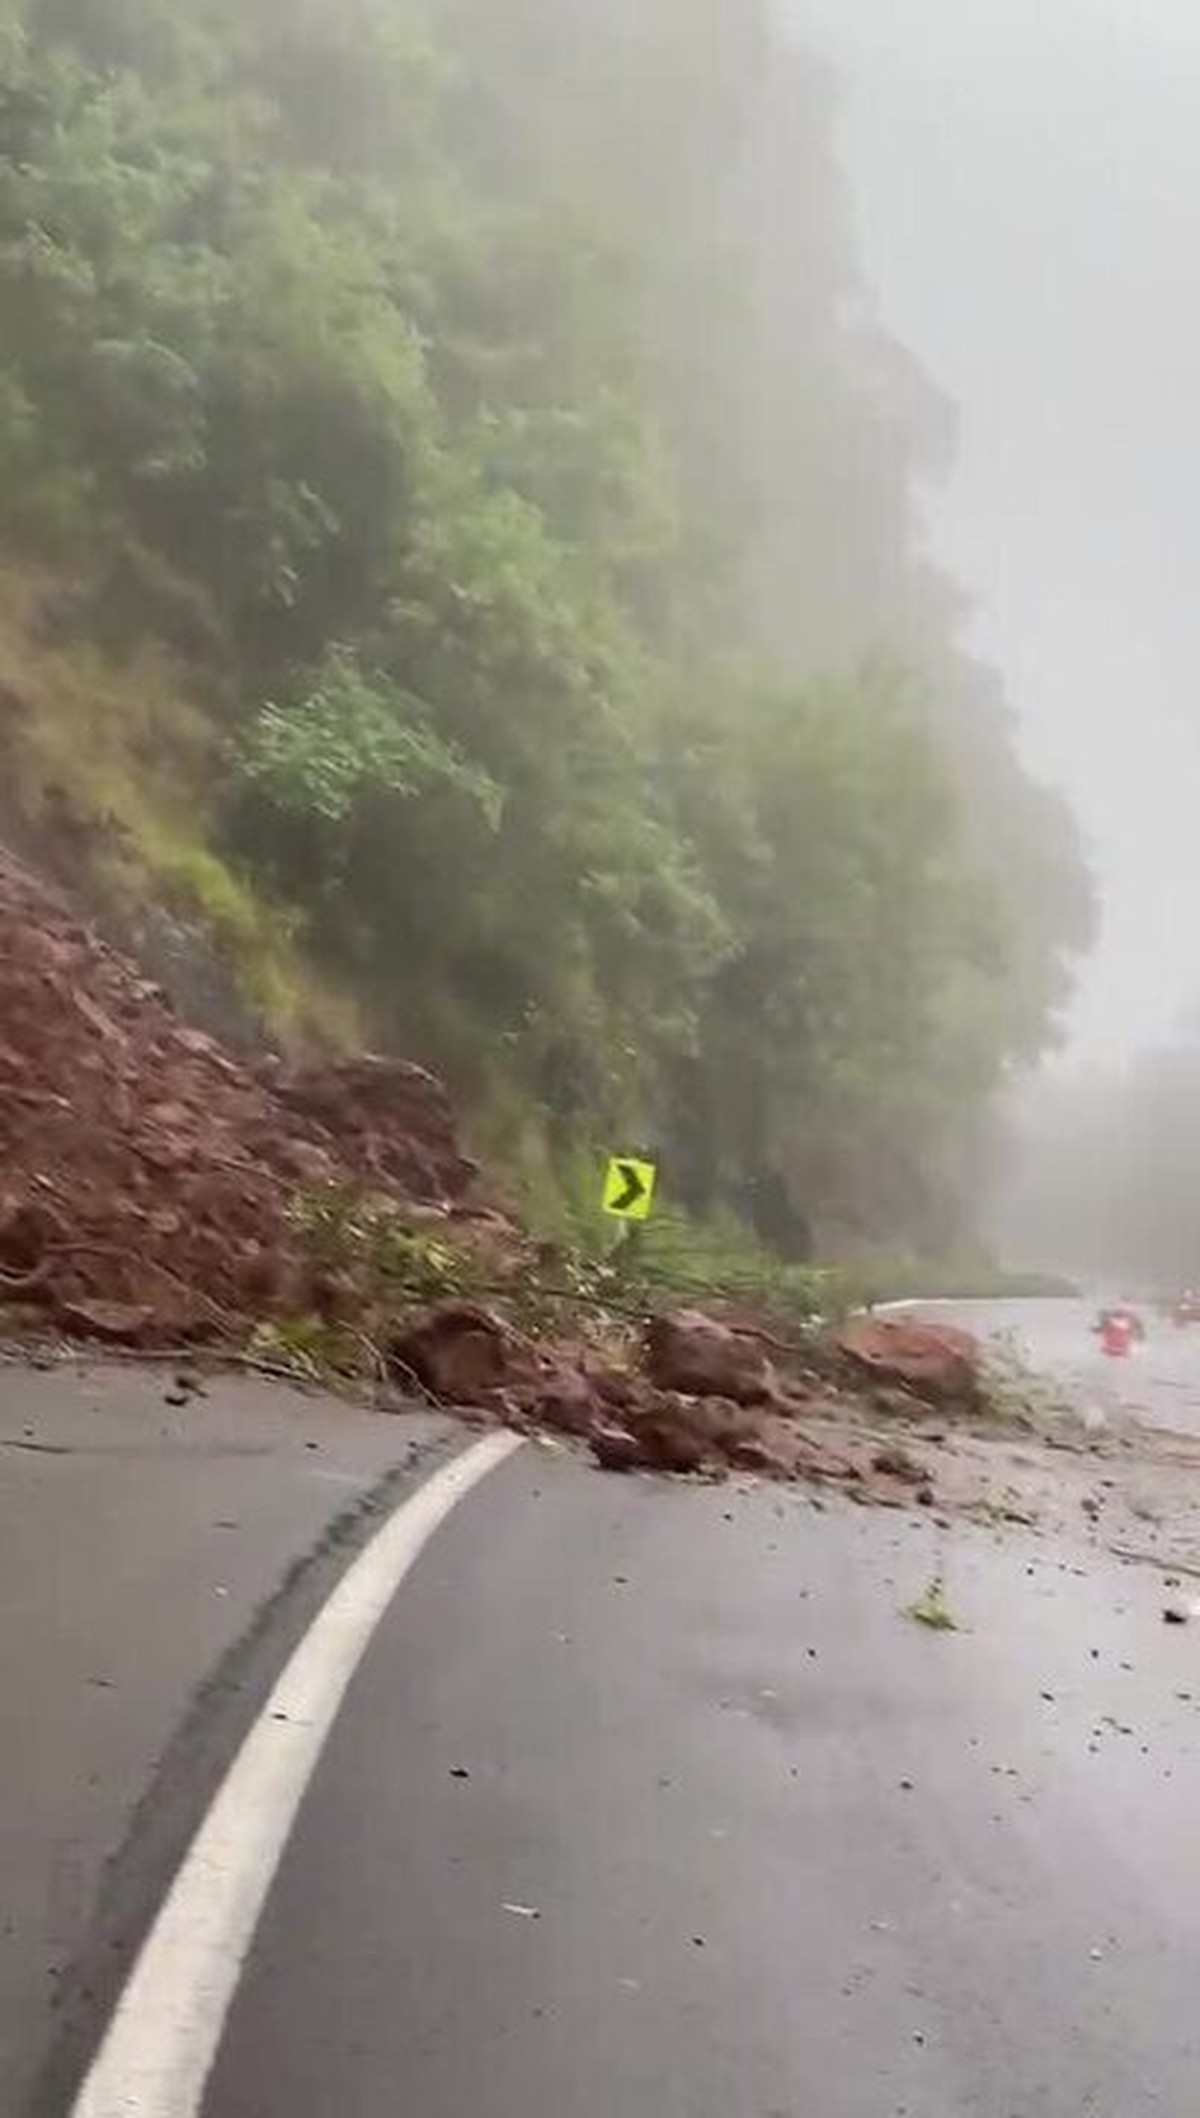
(932, 1610)
(969, 1277)
(375, 1262)
(471, 412)
(114, 776)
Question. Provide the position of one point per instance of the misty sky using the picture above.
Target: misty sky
(1027, 176)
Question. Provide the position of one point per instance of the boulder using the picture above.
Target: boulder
(671, 1434)
(615, 1449)
(617, 1391)
(937, 1362)
(562, 1398)
(674, 1437)
(462, 1354)
(893, 1461)
(694, 1355)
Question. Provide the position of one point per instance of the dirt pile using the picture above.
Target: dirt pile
(149, 1186)
(390, 1121)
(145, 1177)
(697, 1397)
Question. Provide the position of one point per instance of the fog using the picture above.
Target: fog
(1027, 185)
(552, 503)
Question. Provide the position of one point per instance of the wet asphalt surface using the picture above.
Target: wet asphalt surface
(1158, 1384)
(647, 1799)
(156, 1562)
(654, 1801)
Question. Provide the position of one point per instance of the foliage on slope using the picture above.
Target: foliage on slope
(480, 405)
(112, 777)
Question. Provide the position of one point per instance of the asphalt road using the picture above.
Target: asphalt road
(652, 1801)
(645, 1799)
(1159, 1383)
(155, 1562)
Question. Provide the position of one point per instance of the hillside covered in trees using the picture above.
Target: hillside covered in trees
(462, 552)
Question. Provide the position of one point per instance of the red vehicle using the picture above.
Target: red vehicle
(1116, 1335)
(1119, 1331)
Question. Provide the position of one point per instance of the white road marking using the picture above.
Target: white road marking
(159, 2047)
(915, 1301)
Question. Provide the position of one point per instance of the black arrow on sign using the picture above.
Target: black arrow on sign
(635, 1188)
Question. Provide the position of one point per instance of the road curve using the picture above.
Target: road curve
(650, 1800)
(157, 2049)
(1158, 1385)
(160, 1554)
(644, 1799)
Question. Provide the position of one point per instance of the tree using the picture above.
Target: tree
(485, 404)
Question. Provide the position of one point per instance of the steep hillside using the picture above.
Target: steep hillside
(459, 504)
(148, 1182)
(111, 779)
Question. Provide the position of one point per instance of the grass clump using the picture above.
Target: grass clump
(932, 1610)
(111, 776)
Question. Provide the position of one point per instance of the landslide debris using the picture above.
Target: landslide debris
(155, 1192)
(938, 1363)
(145, 1176)
(692, 1395)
